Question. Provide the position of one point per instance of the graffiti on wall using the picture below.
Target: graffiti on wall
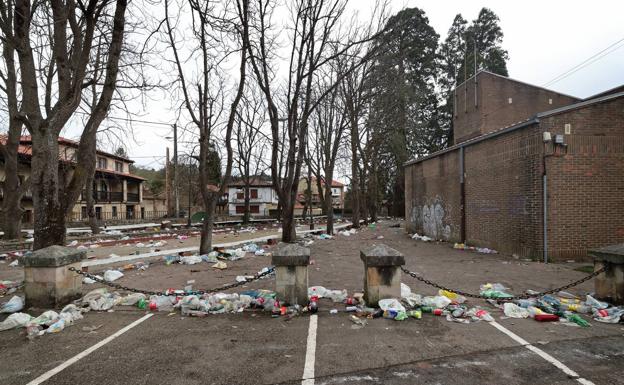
(431, 217)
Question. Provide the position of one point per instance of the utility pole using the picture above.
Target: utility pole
(168, 185)
(175, 170)
(189, 170)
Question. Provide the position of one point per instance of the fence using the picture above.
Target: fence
(121, 216)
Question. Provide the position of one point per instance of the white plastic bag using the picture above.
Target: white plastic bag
(112, 275)
(336, 295)
(15, 304)
(15, 320)
(131, 299)
(190, 260)
(47, 318)
(405, 290)
(514, 311)
(318, 291)
(438, 301)
(391, 304)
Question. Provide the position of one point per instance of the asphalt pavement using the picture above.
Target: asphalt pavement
(254, 348)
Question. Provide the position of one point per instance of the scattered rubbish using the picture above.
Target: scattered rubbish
(72, 243)
(191, 260)
(514, 311)
(391, 304)
(333, 311)
(14, 305)
(14, 263)
(220, 265)
(437, 302)
(112, 275)
(15, 320)
(91, 329)
(358, 321)
(423, 238)
(324, 236)
(318, 291)
(482, 250)
(494, 290)
(90, 281)
(577, 319)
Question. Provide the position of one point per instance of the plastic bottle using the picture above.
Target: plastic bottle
(351, 301)
(525, 303)
(142, 304)
(577, 319)
(313, 305)
(415, 314)
(351, 308)
(427, 309)
(579, 308)
(484, 315)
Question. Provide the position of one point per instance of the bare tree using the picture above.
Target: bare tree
(250, 143)
(199, 102)
(12, 186)
(311, 40)
(54, 43)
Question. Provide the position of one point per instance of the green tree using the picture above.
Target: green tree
(484, 38)
(451, 58)
(403, 118)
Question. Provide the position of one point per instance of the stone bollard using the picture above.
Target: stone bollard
(609, 286)
(48, 283)
(382, 275)
(291, 273)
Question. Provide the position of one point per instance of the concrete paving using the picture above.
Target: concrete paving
(253, 348)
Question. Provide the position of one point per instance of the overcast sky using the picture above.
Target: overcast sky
(544, 40)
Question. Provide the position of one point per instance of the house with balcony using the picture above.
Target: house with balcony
(262, 197)
(337, 192)
(118, 193)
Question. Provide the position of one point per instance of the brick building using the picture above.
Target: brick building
(525, 159)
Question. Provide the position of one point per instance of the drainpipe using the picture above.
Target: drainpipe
(545, 206)
(462, 196)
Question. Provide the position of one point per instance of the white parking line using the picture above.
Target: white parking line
(308, 369)
(45, 376)
(560, 365)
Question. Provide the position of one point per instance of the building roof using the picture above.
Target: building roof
(255, 181)
(124, 174)
(516, 81)
(26, 140)
(334, 183)
(533, 120)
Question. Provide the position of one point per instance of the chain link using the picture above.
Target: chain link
(520, 296)
(117, 286)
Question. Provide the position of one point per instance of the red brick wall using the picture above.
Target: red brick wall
(586, 183)
(503, 192)
(493, 110)
(503, 187)
(432, 197)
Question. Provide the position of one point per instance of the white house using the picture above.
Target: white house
(263, 197)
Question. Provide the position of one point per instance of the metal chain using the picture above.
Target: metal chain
(520, 296)
(168, 292)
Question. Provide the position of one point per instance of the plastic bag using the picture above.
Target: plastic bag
(251, 248)
(514, 311)
(494, 290)
(318, 291)
(336, 295)
(595, 304)
(405, 290)
(391, 304)
(15, 320)
(57, 326)
(47, 318)
(112, 275)
(438, 302)
(190, 260)
(413, 300)
(71, 313)
(131, 299)
(15, 304)
(220, 265)
(210, 257)
(452, 296)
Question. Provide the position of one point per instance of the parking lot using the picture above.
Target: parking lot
(132, 346)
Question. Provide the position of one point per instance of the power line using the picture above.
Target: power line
(590, 60)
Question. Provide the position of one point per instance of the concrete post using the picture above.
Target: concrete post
(291, 273)
(382, 275)
(47, 281)
(609, 286)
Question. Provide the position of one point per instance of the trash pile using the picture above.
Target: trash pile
(9, 287)
(348, 233)
(482, 250)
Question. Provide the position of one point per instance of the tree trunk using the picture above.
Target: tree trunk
(329, 208)
(12, 193)
(247, 213)
(49, 224)
(355, 186)
(93, 223)
(289, 230)
(205, 244)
